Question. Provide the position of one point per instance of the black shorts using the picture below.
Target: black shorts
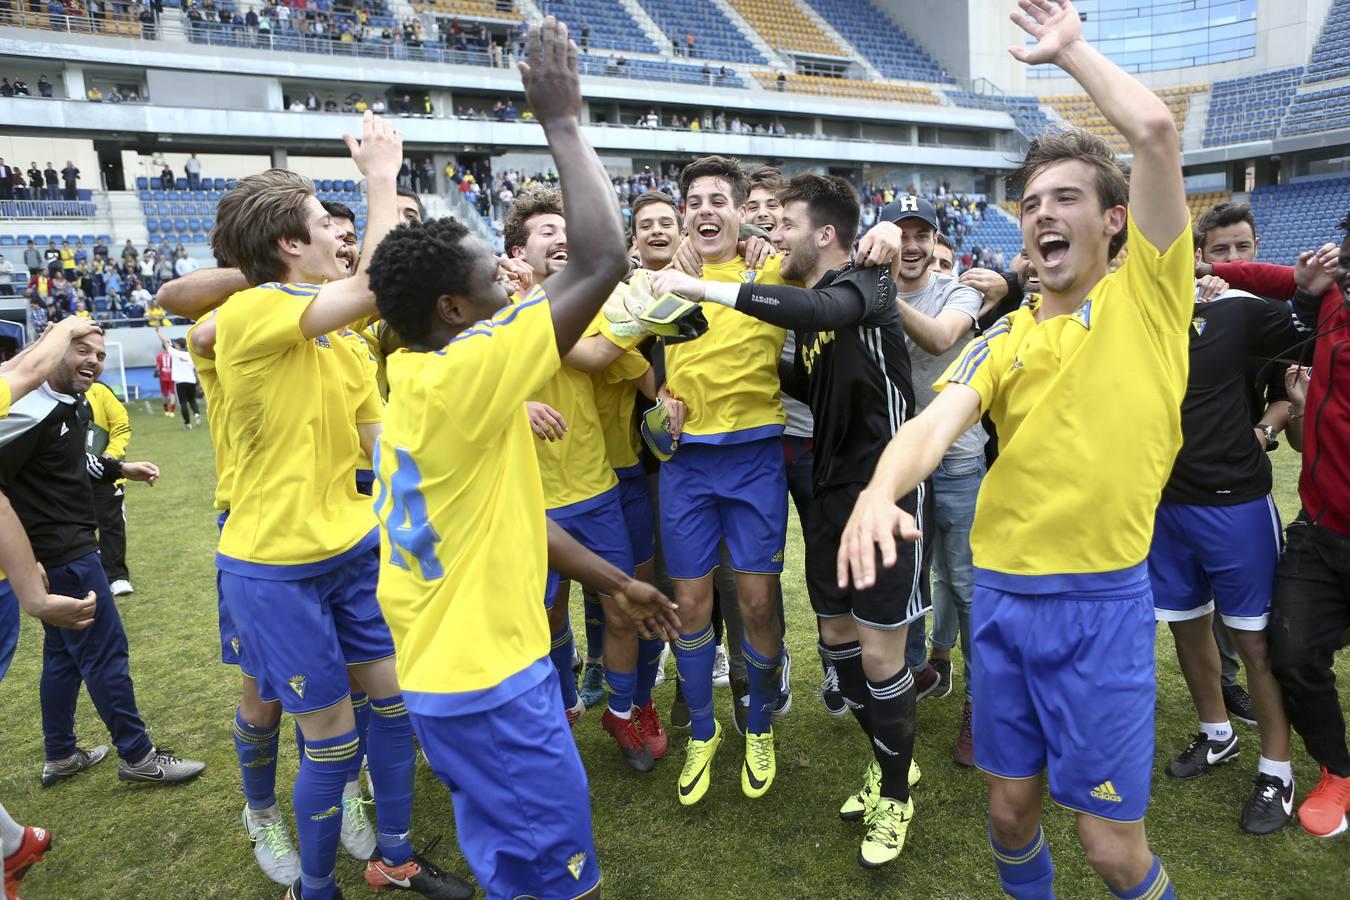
(902, 593)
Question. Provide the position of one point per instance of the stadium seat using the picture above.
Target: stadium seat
(180, 184)
(152, 226)
(142, 183)
(84, 194)
(145, 195)
(848, 87)
(72, 238)
(180, 225)
(194, 225)
(166, 225)
(349, 186)
(7, 240)
(106, 239)
(715, 36)
(884, 44)
(22, 239)
(218, 184)
(199, 238)
(611, 27)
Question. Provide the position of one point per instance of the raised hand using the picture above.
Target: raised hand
(515, 275)
(686, 258)
(379, 153)
(552, 86)
(1315, 270)
(1053, 23)
(880, 246)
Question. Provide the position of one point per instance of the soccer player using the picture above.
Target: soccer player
(461, 501)
(582, 494)
(298, 553)
(726, 482)
(854, 367)
(184, 379)
(164, 368)
(109, 434)
(1085, 385)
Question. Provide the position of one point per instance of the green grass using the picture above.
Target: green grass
(118, 841)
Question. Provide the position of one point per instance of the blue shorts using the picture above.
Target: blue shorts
(736, 493)
(598, 525)
(300, 636)
(1207, 556)
(9, 625)
(522, 799)
(636, 498)
(1065, 682)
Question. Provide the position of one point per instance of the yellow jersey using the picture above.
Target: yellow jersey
(1088, 411)
(463, 547)
(5, 396)
(615, 397)
(110, 427)
(215, 416)
(294, 509)
(728, 377)
(362, 348)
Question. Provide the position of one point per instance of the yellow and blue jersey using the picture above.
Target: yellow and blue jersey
(575, 469)
(463, 546)
(292, 442)
(728, 378)
(1088, 411)
(615, 397)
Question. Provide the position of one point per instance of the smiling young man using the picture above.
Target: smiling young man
(854, 369)
(1062, 616)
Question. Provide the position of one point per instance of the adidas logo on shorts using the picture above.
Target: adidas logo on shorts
(1107, 791)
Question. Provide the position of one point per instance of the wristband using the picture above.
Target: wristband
(723, 292)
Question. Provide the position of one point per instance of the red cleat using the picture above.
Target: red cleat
(653, 734)
(1324, 811)
(34, 844)
(631, 744)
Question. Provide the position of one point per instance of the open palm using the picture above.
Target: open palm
(1053, 23)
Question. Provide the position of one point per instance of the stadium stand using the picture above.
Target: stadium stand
(785, 27)
(1199, 204)
(1330, 56)
(611, 27)
(997, 232)
(478, 9)
(650, 70)
(1026, 112)
(1078, 109)
(1250, 108)
(189, 216)
(1318, 111)
(715, 36)
(114, 23)
(848, 87)
(82, 208)
(1302, 215)
(884, 44)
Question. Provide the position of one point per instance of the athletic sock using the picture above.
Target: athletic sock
(893, 731)
(1155, 886)
(621, 686)
(360, 709)
(1028, 873)
(847, 662)
(393, 763)
(318, 810)
(1217, 731)
(1282, 770)
(649, 659)
(763, 674)
(11, 833)
(560, 651)
(694, 654)
(595, 625)
(257, 752)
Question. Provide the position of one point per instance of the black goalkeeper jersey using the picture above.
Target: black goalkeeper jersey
(851, 365)
(1221, 463)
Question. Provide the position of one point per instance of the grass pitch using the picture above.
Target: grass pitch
(114, 840)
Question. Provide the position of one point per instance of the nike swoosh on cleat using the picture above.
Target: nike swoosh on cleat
(1213, 758)
(686, 791)
(157, 776)
(754, 782)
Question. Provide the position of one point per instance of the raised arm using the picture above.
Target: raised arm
(1157, 194)
(596, 245)
(197, 293)
(35, 364)
(593, 354)
(801, 309)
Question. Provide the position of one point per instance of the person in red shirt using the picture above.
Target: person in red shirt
(167, 390)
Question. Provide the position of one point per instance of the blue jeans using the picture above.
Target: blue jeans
(956, 484)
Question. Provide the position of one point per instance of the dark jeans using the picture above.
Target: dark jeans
(187, 396)
(1309, 614)
(99, 658)
(112, 529)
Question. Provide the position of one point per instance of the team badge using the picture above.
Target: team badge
(298, 685)
(234, 645)
(1199, 323)
(576, 864)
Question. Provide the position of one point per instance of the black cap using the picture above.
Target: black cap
(910, 207)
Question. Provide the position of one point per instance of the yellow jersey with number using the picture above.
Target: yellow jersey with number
(728, 377)
(294, 509)
(463, 548)
(1088, 411)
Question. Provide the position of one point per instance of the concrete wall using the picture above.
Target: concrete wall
(970, 39)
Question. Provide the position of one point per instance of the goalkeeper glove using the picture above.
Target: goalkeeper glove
(656, 432)
(633, 311)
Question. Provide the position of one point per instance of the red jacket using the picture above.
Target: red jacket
(1324, 485)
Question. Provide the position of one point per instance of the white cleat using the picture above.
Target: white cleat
(272, 845)
(121, 587)
(721, 668)
(358, 838)
(661, 666)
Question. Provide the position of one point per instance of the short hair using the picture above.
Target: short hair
(339, 210)
(412, 195)
(647, 198)
(1221, 216)
(413, 267)
(256, 213)
(724, 167)
(830, 200)
(1345, 223)
(1062, 145)
(537, 201)
(945, 241)
(769, 178)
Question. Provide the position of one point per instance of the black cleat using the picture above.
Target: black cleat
(1201, 756)
(295, 892)
(1271, 805)
(418, 875)
(1239, 704)
(679, 709)
(830, 694)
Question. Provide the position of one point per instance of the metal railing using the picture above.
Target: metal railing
(47, 209)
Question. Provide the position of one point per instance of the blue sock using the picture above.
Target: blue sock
(318, 810)
(649, 655)
(1156, 884)
(361, 709)
(595, 626)
(561, 653)
(393, 763)
(763, 674)
(694, 654)
(1028, 873)
(621, 686)
(257, 752)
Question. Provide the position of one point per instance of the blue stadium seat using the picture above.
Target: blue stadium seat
(715, 36)
(7, 240)
(218, 184)
(349, 186)
(151, 226)
(194, 225)
(72, 238)
(157, 195)
(180, 225)
(88, 239)
(84, 194)
(145, 195)
(22, 239)
(213, 196)
(180, 184)
(611, 27)
(142, 183)
(885, 45)
(199, 238)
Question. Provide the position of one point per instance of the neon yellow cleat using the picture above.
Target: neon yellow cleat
(760, 764)
(697, 771)
(887, 824)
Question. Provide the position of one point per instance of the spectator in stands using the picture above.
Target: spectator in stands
(93, 95)
(32, 259)
(114, 287)
(20, 88)
(405, 106)
(689, 43)
(184, 265)
(37, 317)
(129, 255)
(164, 270)
(6, 277)
(782, 82)
(193, 168)
(52, 257)
(6, 181)
(585, 37)
(81, 255)
(330, 105)
(67, 259)
(56, 13)
(6, 89)
(165, 178)
(147, 19)
(100, 250)
(297, 105)
(44, 86)
(52, 179)
(377, 106)
(71, 176)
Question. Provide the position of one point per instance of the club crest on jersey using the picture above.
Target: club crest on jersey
(1083, 314)
(1199, 323)
(322, 341)
(576, 864)
(298, 685)
(749, 276)
(234, 645)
